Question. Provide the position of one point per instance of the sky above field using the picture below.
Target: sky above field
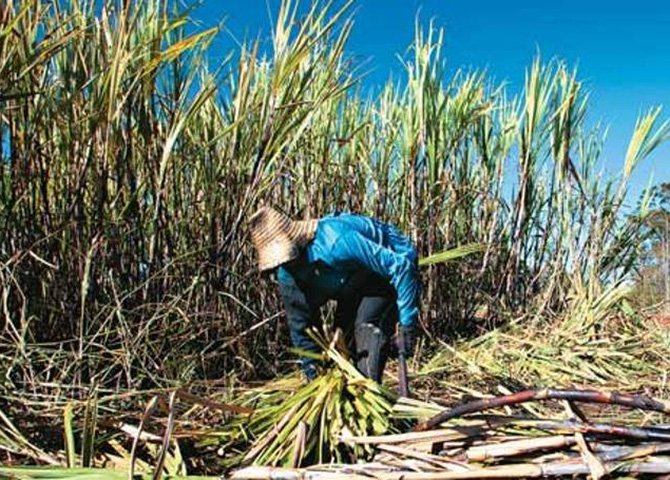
(621, 49)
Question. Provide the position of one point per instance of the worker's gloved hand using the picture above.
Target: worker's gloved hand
(310, 372)
(405, 340)
(309, 368)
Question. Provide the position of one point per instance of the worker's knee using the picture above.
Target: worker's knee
(370, 350)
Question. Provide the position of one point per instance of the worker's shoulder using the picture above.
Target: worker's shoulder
(337, 220)
(333, 227)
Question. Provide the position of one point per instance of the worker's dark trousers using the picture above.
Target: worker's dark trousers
(369, 324)
(366, 313)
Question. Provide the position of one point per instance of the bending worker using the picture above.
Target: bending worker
(368, 267)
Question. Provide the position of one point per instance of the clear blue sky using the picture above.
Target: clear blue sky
(621, 48)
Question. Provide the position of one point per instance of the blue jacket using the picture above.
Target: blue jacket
(346, 246)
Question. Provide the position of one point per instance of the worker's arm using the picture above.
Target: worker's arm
(300, 316)
(401, 244)
(400, 270)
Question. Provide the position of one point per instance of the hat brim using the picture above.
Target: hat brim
(275, 254)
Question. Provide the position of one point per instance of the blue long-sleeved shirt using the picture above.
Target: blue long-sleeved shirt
(346, 246)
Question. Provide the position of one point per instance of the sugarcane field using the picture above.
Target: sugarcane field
(334, 239)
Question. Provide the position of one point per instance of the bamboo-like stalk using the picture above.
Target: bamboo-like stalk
(651, 466)
(151, 405)
(518, 447)
(434, 460)
(438, 435)
(609, 398)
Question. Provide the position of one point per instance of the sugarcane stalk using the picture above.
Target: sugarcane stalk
(586, 396)
(299, 444)
(596, 467)
(433, 460)
(158, 468)
(145, 417)
(270, 435)
(524, 470)
(439, 435)
(630, 453)
(518, 447)
(276, 473)
(571, 426)
(638, 433)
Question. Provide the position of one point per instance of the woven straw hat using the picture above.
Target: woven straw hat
(277, 238)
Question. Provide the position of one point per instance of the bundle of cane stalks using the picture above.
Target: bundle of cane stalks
(296, 422)
(467, 442)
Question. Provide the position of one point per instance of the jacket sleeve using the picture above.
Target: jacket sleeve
(400, 270)
(401, 243)
(300, 316)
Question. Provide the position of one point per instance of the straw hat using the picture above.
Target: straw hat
(277, 238)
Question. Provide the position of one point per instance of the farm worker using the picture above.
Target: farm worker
(367, 266)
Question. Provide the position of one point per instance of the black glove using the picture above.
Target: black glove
(405, 340)
(309, 370)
